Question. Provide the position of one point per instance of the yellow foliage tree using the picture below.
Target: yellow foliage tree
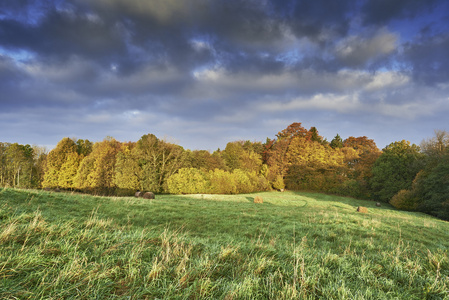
(55, 159)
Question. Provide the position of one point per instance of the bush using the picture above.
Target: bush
(222, 182)
(194, 181)
(188, 181)
(278, 183)
(405, 200)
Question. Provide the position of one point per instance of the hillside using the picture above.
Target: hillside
(306, 245)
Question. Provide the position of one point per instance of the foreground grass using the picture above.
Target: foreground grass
(294, 245)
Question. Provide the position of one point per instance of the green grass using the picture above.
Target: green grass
(294, 245)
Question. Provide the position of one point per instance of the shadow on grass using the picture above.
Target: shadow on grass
(371, 204)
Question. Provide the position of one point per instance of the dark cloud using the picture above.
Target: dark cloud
(382, 11)
(428, 59)
(321, 20)
(202, 70)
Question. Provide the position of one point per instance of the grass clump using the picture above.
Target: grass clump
(294, 245)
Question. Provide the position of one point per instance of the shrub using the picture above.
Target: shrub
(404, 199)
(188, 181)
(222, 182)
(278, 183)
(242, 182)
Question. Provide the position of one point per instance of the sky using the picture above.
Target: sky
(202, 73)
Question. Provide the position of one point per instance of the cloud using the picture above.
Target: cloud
(427, 58)
(213, 70)
(380, 12)
(357, 51)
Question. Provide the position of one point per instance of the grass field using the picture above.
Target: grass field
(294, 245)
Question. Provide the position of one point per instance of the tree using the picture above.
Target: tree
(276, 151)
(292, 130)
(429, 192)
(96, 171)
(158, 160)
(40, 164)
(204, 160)
(314, 136)
(127, 169)
(3, 164)
(18, 165)
(84, 147)
(435, 147)
(69, 170)
(55, 159)
(431, 189)
(336, 142)
(395, 169)
(312, 166)
(240, 155)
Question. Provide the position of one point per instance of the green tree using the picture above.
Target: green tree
(431, 189)
(18, 165)
(84, 147)
(3, 163)
(336, 142)
(40, 164)
(395, 169)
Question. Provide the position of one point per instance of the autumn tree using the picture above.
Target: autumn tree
(276, 152)
(237, 157)
(204, 160)
(96, 171)
(312, 165)
(189, 181)
(68, 170)
(158, 160)
(127, 169)
(56, 158)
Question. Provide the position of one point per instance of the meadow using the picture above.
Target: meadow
(294, 245)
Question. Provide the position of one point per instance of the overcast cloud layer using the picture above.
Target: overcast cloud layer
(202, 73)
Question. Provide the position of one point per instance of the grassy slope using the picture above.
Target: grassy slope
(304, 245)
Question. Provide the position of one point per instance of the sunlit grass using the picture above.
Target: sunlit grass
(294, 245)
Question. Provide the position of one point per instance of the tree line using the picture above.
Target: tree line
(403, 174)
